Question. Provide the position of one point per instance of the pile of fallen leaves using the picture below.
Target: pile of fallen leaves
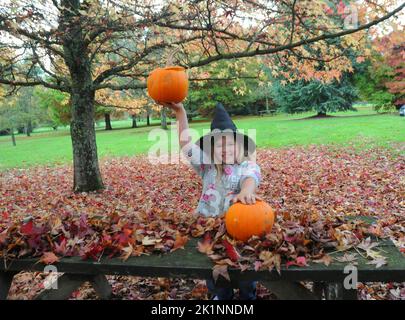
(147, 208)
(312, 238)
(57, 236)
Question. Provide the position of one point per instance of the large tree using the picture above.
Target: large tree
(69, 39)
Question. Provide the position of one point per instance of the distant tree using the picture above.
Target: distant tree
(233, 82)
(56, 104)
(302, 96)
(9, 117)
(382, 80)
(395, 58)
(371, 84)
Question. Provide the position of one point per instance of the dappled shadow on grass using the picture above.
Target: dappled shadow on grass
(317, 116)
(328, 116)
(39, 135)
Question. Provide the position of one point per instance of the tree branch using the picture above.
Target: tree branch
(115, 70)
(295, 44)
(33, 83)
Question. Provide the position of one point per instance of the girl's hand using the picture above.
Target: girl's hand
(246, 197)
(176, 107)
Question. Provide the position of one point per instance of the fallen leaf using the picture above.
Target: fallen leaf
(231, 252)
(326, 260)
(367, 245)
(127, 252)
(348, 258)
(300, 262)
(49, 258)
(146, 241)
(257, 265)
(179, 242)
(378, 262)
(205, 247)
(222, 270)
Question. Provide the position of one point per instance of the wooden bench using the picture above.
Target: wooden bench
(189, 263)
(270, 112)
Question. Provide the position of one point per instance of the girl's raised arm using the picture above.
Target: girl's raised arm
(190, 150)
(181, 116)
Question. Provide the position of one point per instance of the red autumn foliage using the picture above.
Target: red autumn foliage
(146, 209)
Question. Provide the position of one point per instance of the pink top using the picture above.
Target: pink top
(216, 197)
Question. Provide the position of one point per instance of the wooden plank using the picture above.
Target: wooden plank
(6, 278)
(287, 290)
(190, 263)
(67, 283)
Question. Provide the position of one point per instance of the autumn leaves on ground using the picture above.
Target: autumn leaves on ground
(148, 208)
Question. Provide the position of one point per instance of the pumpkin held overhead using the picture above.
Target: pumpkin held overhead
(169, 84)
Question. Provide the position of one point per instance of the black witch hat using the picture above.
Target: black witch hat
(221, 125)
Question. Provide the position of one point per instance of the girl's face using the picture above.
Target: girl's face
(225, 150)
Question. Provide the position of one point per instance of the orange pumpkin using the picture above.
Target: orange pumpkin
(168, 84)
(245, 220)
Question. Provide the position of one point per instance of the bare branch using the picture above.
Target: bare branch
(118, 87)
(115, 70)
(292, 21)
(58, 79)
(32, 83)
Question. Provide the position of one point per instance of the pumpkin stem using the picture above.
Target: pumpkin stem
(170, 57)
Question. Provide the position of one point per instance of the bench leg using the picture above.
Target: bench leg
(287, 290)
(68, 283)
(319, 288)
(101, 286)
(6, 278)
(336, 291)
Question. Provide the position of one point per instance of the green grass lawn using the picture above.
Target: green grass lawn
(363, 128)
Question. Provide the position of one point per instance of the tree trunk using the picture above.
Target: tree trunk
(12, 137)
(163, 118)
(321, 114)
(107, 118)
(134, 125)
(148, 117)
(87, 175)
(28, 128)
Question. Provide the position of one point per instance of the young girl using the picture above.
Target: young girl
(222, 159)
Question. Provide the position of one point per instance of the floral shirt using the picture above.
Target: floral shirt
(216, 197)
